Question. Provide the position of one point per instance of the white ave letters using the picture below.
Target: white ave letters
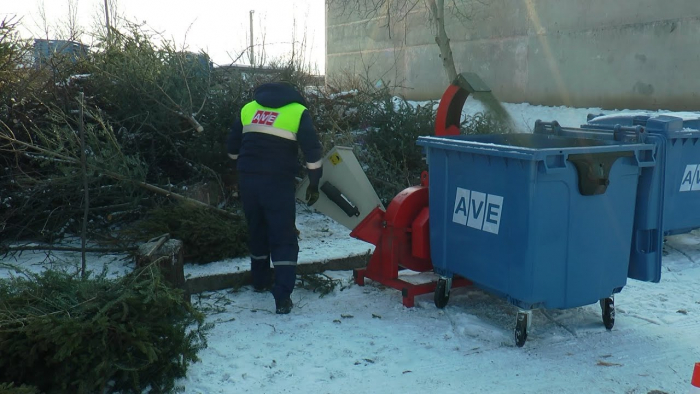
(691, 178)
(265, 117)
(478, 210)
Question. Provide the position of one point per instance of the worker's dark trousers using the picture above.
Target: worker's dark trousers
(270, 211)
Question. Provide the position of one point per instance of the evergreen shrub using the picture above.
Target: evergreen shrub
(206, 235)
(65, 334)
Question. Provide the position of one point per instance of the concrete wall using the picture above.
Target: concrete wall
(641, 54)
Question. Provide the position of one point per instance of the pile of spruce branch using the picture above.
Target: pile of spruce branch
(62, 333)
(206, 235)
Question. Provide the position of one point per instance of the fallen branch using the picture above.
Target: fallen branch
(17, 248)
(113, 207)
(161, 240)
(175, 196)
(115, 175)
(193, 122)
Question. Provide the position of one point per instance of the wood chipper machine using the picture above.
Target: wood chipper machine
(400, 232)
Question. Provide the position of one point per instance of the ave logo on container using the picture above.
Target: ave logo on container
(478, 210)
(691, 178)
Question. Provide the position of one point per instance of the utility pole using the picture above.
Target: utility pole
(86, 201)
(252, 51)
(107, 19)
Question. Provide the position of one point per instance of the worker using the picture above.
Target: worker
(264, 142)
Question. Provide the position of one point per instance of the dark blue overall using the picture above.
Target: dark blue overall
(265, 142)
(269, 205)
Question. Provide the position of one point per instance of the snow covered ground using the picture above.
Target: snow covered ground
(362, 340)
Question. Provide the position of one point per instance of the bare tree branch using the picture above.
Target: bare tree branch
(396, 11)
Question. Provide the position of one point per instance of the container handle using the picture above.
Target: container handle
(555, 163)
(622, 133)
(551, 128)
(646, 157)
(619, 133)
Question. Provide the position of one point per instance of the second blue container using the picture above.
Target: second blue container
(668, 197)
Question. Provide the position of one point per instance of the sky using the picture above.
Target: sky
(361, 339)
(220, 27)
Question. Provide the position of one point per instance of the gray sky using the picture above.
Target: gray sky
(220, 27)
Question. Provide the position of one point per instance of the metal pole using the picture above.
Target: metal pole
(252, 52)
(107, 18)
(86, 199)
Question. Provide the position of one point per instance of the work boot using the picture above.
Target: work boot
(261, 275)
(284, 281)
(283, 306)
(265, 285)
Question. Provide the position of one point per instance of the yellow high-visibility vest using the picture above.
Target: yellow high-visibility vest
(282, 122)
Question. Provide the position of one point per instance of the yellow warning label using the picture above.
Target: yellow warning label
(335, 159)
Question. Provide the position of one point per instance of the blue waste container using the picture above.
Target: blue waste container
(668, 196)
(542, 220)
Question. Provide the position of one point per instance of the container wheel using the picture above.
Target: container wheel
(521, 329)
(608, 306)
(442, 293)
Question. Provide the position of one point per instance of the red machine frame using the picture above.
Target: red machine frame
(401, 234)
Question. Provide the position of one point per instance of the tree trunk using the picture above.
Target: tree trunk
(169, 256)
(437, 14)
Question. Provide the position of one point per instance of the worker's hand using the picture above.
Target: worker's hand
(311, 194)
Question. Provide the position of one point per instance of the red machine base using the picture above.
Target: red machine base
(402, 240)
(408, 290)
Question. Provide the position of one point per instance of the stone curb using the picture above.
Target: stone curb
(237, 279)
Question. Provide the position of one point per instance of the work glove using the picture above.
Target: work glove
(311, 194)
